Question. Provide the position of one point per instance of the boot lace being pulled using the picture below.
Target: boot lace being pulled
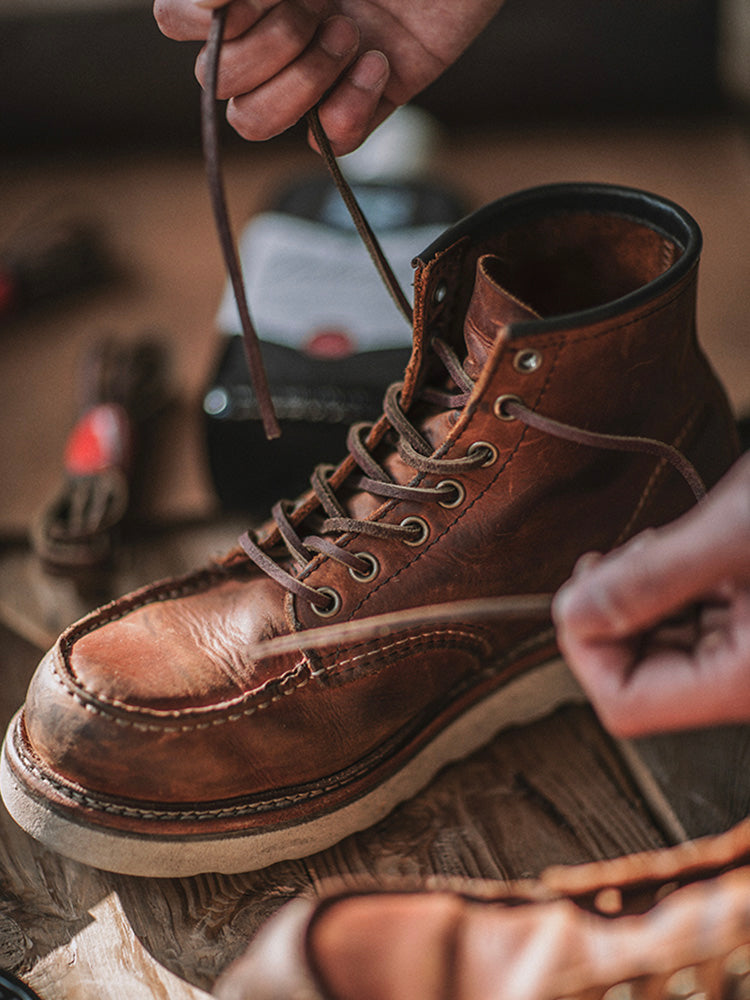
(331, 517)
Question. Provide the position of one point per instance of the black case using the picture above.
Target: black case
(316, 399)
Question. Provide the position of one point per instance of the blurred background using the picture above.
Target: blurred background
(98, 71)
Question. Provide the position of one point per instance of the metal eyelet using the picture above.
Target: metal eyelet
(333, 608)
(499, 404)
(527, 360)
(369, 574)
(424, 530)
(459, 493)
(441, 290)
(479, 446)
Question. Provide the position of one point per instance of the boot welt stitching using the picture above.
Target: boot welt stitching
(120, 809)
(102, 706)
(117, 809)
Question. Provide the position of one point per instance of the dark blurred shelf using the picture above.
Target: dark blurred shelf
(107, 77)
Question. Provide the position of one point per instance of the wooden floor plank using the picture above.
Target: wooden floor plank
(704, 775)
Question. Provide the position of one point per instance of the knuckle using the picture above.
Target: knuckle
(250, 125)
(617, 710)
(224, 89)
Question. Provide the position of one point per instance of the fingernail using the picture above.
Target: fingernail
(369, 71)
(338, 36)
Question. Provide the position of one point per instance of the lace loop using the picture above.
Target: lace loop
(276, 572)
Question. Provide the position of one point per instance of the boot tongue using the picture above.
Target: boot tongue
(490, 311)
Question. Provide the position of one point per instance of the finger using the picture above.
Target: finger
(276, 105)
(187, 20)
(668, 690)
(356, 105)
(663, 682)
(256, 56)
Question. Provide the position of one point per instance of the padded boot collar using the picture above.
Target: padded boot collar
(477, 233)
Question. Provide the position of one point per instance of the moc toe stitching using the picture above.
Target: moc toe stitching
(69, 789)
(192, 583)
(109, 707)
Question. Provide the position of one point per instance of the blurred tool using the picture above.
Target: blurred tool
(123, 385)
(47, 261)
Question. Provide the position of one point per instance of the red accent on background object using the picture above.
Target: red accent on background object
(7, 292)
(330, 343)
(100, 440)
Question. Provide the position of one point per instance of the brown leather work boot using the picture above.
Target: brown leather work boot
(662, 925)
(550, 328)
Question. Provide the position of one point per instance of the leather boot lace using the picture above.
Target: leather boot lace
(414, 451)
(331, 517)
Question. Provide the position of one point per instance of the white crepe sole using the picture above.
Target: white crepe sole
(524, 699)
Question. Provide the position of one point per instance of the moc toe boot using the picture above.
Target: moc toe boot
(154, 741)
(659, 925)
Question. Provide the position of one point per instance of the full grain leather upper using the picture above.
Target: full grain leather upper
(155, 696)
